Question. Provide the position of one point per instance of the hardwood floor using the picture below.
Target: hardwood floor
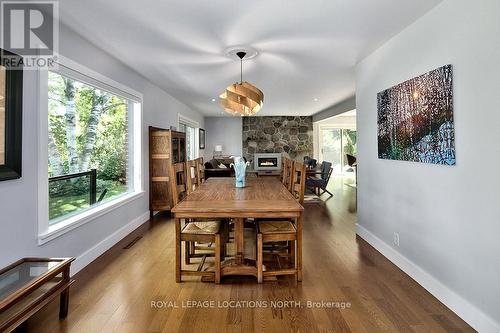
(114, 293)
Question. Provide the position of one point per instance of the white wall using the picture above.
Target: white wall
(18, 198)
(448, 218)
(225, 131)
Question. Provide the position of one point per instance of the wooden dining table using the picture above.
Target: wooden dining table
(262, 197)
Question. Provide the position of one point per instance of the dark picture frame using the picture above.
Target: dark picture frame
(13, 94)
(201, 136)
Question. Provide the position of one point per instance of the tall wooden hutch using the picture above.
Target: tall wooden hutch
(166, 147)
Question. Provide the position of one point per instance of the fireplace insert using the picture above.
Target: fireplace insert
(268, 161)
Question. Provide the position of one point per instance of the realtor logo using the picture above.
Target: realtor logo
(30, 29)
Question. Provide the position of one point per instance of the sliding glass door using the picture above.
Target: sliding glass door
(335, 143)
(331, 147)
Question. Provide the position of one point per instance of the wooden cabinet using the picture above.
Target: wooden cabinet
(165, 148)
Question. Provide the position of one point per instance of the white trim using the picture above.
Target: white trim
(465, 310)
(187, 120)
(95, 251)
(42, 151)
(93, 76)
(85, 217)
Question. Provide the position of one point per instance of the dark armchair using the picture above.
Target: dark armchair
(310, 162)
(318, 184)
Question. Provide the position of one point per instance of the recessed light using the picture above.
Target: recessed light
(213, 99)
(315, 99)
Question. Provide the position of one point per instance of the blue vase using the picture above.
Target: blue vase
(240, 167)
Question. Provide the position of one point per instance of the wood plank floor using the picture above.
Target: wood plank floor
(114, 293)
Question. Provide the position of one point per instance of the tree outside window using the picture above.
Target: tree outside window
(88, 130)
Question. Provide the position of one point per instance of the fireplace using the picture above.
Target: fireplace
(267, 161)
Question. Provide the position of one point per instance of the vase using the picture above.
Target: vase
(239, 167)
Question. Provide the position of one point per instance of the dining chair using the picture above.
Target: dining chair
(196, 231)
(318, 184)
(284, 231)
(193, 181)
(201, 170)
(283, 169)
(353, 163)
(287, 178)
(192, 176)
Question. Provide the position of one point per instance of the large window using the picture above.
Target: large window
(90, 153)
(191, 129)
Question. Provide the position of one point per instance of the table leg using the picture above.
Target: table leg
(239, 238)
(299, 247)
(64, 297)
(178, 250)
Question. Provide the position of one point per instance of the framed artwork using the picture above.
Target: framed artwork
(11, 99)
(202, 138)
(415, 119)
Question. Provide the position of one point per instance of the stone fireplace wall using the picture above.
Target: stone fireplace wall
(291, 136)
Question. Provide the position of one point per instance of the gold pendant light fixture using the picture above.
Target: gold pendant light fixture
(242, 98)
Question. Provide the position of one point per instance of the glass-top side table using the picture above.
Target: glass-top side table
(30, 283)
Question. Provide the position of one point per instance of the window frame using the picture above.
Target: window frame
(48, 232)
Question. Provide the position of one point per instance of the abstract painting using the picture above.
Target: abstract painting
(415, 119)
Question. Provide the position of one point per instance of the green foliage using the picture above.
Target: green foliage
(350, 139)
(109, 154)
(79, 186)
(60, 205)
(108, 141)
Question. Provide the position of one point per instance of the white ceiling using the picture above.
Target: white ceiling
(307, 48)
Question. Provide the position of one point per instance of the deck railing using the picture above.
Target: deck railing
(93, 182)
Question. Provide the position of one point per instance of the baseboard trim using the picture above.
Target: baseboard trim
(465, 310)
(94, 252)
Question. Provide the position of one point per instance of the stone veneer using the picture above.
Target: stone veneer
(291, 136)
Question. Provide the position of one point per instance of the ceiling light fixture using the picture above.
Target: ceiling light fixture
(242, 98)
(213, 99)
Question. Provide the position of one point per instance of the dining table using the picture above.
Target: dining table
(261, 197)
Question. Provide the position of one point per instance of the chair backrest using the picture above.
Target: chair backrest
(311, 163)
(201, 170)
(192, 182)
(288, 173)
(326, 170)
(299, 181)
(178, 182)
(283, 169)
(350, 159)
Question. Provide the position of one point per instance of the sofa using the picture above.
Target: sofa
(213, 168)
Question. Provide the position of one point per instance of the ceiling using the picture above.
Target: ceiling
(307, 49)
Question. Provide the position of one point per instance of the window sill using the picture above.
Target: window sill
(85, 217)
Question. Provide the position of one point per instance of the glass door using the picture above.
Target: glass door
(335, 143)
(331, 147)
